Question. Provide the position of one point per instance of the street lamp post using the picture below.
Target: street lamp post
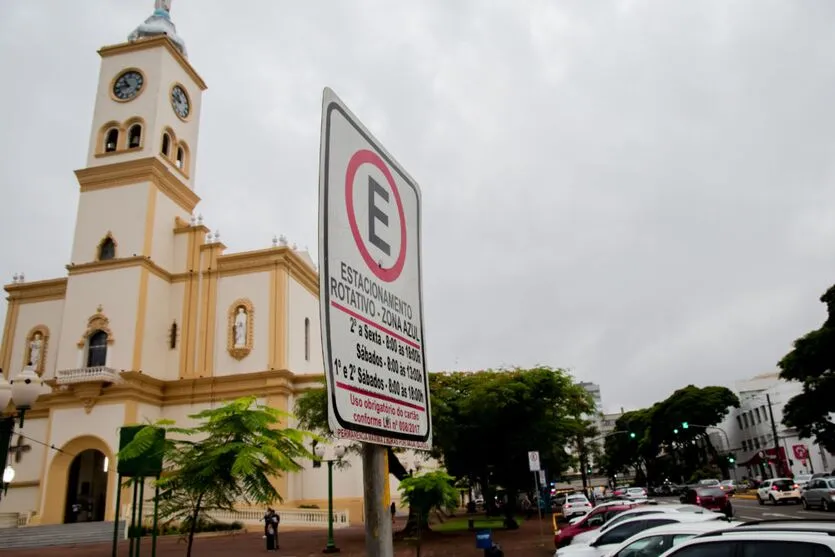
(338, 453)
(23, 390)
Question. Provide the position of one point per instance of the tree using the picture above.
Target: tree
(229, 458)
(658, 431)
(485, 424)
(812, 363)
(434, 490)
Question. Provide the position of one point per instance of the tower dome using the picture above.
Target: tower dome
(158, 24)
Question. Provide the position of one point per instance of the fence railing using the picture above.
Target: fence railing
(86, 375)
(314, 518)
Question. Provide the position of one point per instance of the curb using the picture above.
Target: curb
(746, 497)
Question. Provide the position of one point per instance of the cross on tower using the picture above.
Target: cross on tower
(19, 448)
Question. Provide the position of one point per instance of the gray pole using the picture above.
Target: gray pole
(378, 526)
(779, 467)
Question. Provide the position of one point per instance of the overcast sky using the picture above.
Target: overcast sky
(641, 192)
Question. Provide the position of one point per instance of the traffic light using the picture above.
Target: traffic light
(632, 435)
(731, 459)
(675, 431)
(685, 425)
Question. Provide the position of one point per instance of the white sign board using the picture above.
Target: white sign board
(370, 288)
(533, 461)
(542, 477)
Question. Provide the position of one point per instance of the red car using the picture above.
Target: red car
(711, 498)
(595, 519)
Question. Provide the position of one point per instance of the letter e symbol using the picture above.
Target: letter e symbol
(374, 213)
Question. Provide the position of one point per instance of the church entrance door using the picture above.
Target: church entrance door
(86, 488)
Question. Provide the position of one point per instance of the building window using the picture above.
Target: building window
(757, 414)
(739, 421)
(107, 249)
(745, 419)
(756, 443)
(306, 339)
(97, 349)
(111, 140)
(135, 136)
(181, 157)
(166, 145)
(765, 413)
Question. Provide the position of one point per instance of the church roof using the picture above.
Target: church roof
(159, 24)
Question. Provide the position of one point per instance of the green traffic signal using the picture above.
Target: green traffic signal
(675, 431)
(685, 425)
(632, 434)
(731, 458)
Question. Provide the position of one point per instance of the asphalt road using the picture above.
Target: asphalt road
(747, 509)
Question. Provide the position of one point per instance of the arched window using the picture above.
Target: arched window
(166, 145)
(97, 349)
(107, 249)
(181, 158)
(111, 140)
(135, 136)
(307, 339)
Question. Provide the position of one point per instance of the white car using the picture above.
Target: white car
(636, 493)
(605, 542)
(805, 541)
(643, 510)
(802, 480)
(778, 490)
(576, 505)
(655, 541)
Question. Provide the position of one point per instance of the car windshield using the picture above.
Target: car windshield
(803, 477)
(728, 482)
(831, 483)
(576, 500)
(783, 484)
(636, 489)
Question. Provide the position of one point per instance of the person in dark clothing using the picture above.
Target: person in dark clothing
(393, 511)
(271, 520)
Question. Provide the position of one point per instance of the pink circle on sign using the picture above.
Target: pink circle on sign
(364, 156)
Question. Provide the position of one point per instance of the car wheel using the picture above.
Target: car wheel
(825, 506)
(759, 500)
(773, 500)
(805, 503)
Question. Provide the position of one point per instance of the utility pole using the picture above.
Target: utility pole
(776, 440)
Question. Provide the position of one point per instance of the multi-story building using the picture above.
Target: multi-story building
(751, 431)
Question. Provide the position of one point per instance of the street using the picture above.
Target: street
(749, 509)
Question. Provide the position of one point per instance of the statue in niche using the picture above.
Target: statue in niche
(35, 350)
(241, 319)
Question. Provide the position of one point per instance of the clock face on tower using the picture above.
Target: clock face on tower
(128, 85)
(180, 102)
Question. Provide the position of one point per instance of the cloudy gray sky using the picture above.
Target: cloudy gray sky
(639, 191)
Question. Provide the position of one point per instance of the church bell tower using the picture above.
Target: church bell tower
(138, 180)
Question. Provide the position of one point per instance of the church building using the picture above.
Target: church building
(152, 318)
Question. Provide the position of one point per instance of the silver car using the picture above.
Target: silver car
(819, 492)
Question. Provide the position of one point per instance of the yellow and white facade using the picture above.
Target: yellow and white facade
(153, 318)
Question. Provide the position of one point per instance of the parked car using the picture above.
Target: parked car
(641, 510)
(819, 493)
(778, 490)
(802, 480)
(595, 519)
(605, 541)
(636, 493)
(576, 504)
(729, 487)
(711, 498)
(792, 538)
(655, 541)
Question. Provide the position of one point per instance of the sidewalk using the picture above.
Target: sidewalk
(351, 541)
